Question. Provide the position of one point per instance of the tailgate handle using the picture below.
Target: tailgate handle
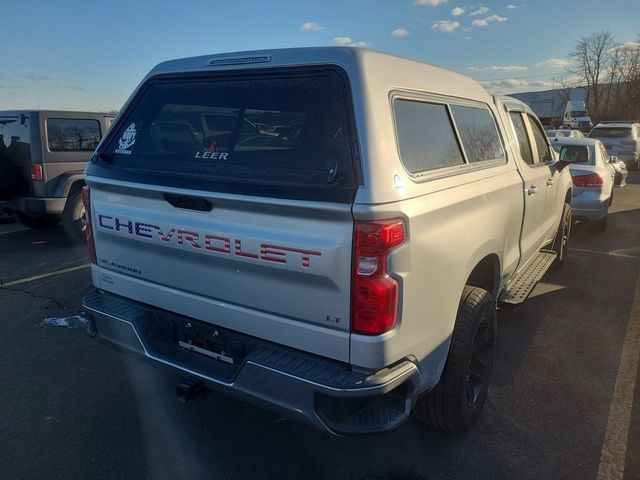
(189, 203)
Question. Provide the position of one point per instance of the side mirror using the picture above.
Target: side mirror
(613, 159)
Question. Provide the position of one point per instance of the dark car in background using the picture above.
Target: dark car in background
(42, 158)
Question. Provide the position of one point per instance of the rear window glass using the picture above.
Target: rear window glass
(72, 135)
(607, 132)
(425, 136)
(478, 133)
(575, 153)
(287, 130)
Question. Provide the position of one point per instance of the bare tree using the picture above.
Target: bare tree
(611, 73)
(591, 58)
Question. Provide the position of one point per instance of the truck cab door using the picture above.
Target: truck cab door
(546, 165)
(535, 175)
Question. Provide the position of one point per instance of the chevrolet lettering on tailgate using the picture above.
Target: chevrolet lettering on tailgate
(216, 243)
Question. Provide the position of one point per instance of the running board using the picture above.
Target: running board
(520, 286)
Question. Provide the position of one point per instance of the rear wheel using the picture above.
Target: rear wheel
(601, 225)
(561, 239)
(73, 217)
(38, 222)
(457, 400)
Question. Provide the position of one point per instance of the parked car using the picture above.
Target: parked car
(593, 179)
(621, 139)
(346, 270)
(563, 133)
(42, 157)
(620, 171)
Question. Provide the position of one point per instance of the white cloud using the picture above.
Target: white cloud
(629, 47)
(348, 42)
(446, 25)
(553, 63)
(500, 68)
(342, 40)
(479, 11)
(457, 11)
(505, 82)
(467, 38)
(512, 6)
(514, 85)
(400, 32)
(310, 27)
(431, 3)
(484, 22)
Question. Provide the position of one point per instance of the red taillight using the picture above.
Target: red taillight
(590, 180)
(36, 172)
(374, 294)
(88, 231)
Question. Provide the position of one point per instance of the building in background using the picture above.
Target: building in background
(550, 105)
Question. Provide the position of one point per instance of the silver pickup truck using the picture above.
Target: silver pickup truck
(326, 232)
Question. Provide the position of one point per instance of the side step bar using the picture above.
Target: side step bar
(521, 285)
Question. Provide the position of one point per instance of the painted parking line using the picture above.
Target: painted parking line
(13, 229)
(614, 449)
(613, 253)
(44, 275)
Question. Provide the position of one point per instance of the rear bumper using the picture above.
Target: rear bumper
(589, 206)
(323, 393)
(34, 205)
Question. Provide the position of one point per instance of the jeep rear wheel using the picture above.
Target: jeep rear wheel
(457, 400)
(73, 217)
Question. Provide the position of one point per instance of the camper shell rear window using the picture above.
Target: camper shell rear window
(285, 133)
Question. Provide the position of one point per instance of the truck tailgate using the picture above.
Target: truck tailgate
(268, 265)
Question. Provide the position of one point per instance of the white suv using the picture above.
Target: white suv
(621, 139)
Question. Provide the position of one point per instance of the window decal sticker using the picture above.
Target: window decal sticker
(212, 154)
(127, 140)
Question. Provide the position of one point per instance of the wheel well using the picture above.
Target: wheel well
(77, 185)
(567, 197)
(486, 274)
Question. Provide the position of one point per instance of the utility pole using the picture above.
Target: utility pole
(553, 100)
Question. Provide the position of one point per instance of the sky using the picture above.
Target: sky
(90, 55)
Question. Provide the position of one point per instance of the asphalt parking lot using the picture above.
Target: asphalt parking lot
(562, 403)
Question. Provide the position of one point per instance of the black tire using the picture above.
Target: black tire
(73, 216)
(600, 225)
(611, 198)
(457, 400)
(38, 222)
(561, 239)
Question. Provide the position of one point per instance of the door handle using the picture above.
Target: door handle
(532, 190)
(550, 182)
(189, 203)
